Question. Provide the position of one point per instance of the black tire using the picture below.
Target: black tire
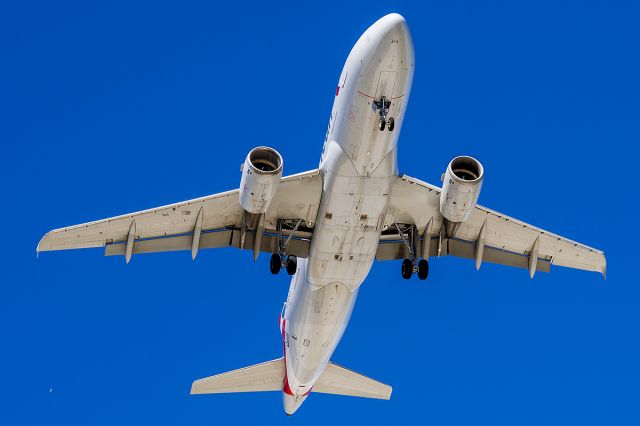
(407, 269)
(274, 264)
(423, 269)
(391, 123)
(382, 123)
(292, 265)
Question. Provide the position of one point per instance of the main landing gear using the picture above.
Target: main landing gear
(290, 263)
(382, 106)
(409, 267)
(411, 239)
(282, 260)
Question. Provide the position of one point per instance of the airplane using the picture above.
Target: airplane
(326, 227)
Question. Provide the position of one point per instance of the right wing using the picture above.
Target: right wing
(505, 240)
(217, 219)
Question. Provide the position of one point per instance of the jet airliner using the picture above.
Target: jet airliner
(326, 227)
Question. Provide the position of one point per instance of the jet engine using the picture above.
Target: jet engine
(461, 186)
(261, 174)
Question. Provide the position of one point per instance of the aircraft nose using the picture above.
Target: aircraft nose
(388, 36)
(391, 25)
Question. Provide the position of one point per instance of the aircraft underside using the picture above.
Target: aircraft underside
(326, 227)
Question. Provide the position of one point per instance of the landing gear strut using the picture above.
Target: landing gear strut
(382, 107)
(282, 260)
(410, 238)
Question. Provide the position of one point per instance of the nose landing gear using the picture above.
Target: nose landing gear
(382, 107)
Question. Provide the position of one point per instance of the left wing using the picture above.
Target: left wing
(487, 236)
(215, 219)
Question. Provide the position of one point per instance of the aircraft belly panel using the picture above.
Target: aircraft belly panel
(358, 168)
(347, 229)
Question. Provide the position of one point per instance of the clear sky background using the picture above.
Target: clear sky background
(112, 108)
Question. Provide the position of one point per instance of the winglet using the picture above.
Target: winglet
(40, 243)
(45, 246)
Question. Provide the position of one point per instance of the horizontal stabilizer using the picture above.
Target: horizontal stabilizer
(267, 376)
(341, 381)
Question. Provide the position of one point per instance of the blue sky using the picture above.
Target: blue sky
(115, 107)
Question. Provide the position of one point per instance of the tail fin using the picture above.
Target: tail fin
(341, 381)
(267, 376)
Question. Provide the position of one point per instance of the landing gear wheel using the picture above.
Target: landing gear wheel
(292, 265)
(423, 269)
(382, 123)
(407, 269)
(391, 123)
(275, 263)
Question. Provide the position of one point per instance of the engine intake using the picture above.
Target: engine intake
(261, 174)
(461, 186)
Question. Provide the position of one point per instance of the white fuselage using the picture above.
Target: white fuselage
(358, 166)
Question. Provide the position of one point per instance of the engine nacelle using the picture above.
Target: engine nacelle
(461, 186)
(261, 174)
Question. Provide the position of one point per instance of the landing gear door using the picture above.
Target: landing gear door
(386, 84)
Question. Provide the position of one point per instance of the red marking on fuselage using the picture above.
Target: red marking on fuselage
(285, 387)
(364, 94)
(337, 90)
(285, 383)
